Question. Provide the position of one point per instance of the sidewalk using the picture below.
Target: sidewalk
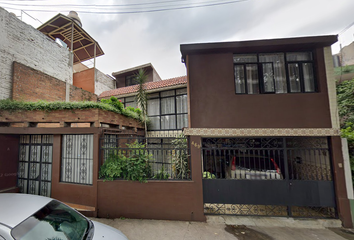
(230, 228)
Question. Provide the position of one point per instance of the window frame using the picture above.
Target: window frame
(130, 80)
(259, 65)
(175, 114)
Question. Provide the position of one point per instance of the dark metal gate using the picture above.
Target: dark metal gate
(35, 164)
(268, 176)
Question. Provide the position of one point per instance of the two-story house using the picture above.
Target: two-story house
(263, 122)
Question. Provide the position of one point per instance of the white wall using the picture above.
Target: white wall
(103, 83)
(22, 43)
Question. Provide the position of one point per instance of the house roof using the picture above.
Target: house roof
(149, 86)
(268, 45)
(60, 26)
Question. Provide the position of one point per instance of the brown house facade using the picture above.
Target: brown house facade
(265, 116)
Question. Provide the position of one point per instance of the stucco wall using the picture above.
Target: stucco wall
(103, 83)
(22, 43)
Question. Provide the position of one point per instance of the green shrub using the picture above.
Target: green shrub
(129, 165)
(108, 105)
(161, 175)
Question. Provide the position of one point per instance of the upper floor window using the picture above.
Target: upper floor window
(274, 73)
(168, 110)
(131, 80)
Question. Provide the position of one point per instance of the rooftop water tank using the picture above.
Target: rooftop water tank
(73, 15)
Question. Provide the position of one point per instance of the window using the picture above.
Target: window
(274, 73)
(131, 80)
(77, 159)
(168, 110)
(129, 101)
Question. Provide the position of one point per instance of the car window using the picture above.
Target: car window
(55, 221)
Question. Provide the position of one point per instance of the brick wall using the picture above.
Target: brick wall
(95, 116)
(22, 43)
(32, 85)
(78, 94)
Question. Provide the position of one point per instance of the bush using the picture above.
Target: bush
(129, 165)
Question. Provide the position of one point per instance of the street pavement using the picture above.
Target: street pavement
(231, 228)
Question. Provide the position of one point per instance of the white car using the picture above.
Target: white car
(31, 217)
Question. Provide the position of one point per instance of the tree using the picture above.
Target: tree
(345, 97)
(141, 96)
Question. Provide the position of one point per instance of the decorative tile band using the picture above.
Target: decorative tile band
(258, 132)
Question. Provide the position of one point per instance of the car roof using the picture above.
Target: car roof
(16, 207)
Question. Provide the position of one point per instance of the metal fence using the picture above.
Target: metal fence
(266, 158)
(168, 157)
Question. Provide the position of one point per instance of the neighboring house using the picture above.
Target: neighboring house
(345, 56)
(126, 78)
(167, 100)
(263, 117)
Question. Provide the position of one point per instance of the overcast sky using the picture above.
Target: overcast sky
(129, 40)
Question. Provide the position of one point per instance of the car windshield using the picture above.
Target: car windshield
(55, 221)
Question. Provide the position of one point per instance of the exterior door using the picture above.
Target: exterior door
(35, 164)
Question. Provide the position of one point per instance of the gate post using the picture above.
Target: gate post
(196, 162)
(343, 205)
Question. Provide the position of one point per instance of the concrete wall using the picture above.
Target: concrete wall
(213, 102)
(103, 83)
(22, 43)
(32, 85)
(347, 55)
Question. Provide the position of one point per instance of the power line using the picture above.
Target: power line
(140, 11)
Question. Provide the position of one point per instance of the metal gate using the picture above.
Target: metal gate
(35, 164)
(268, 176)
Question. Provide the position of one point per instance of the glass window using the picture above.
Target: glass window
(278, 69)
(131, 80)
(154, 123)
(168, 110)
(268, 77)
(182, 121)
(168, 122)
(273, 72)
(309, 80)
(299, 56)
(294, 77)
(252, 78)
(240, 79)
(182, 104)
(168, 93)
(181, 91)
(245, 58)
(168, 105)
(153, 107)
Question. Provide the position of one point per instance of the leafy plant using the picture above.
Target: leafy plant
(109, 105)
(180, 164)
(161, 175)
(141, 96)
(129, 165)
(208, 175)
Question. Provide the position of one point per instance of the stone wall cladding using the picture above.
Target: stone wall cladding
(331, 85)
(22, 43)
(32, 85)
(73, 115)
(103, 83)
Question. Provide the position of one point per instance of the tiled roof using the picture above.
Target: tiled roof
(149, 86)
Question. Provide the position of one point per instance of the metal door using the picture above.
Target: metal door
(35, 164)
(273, 176)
